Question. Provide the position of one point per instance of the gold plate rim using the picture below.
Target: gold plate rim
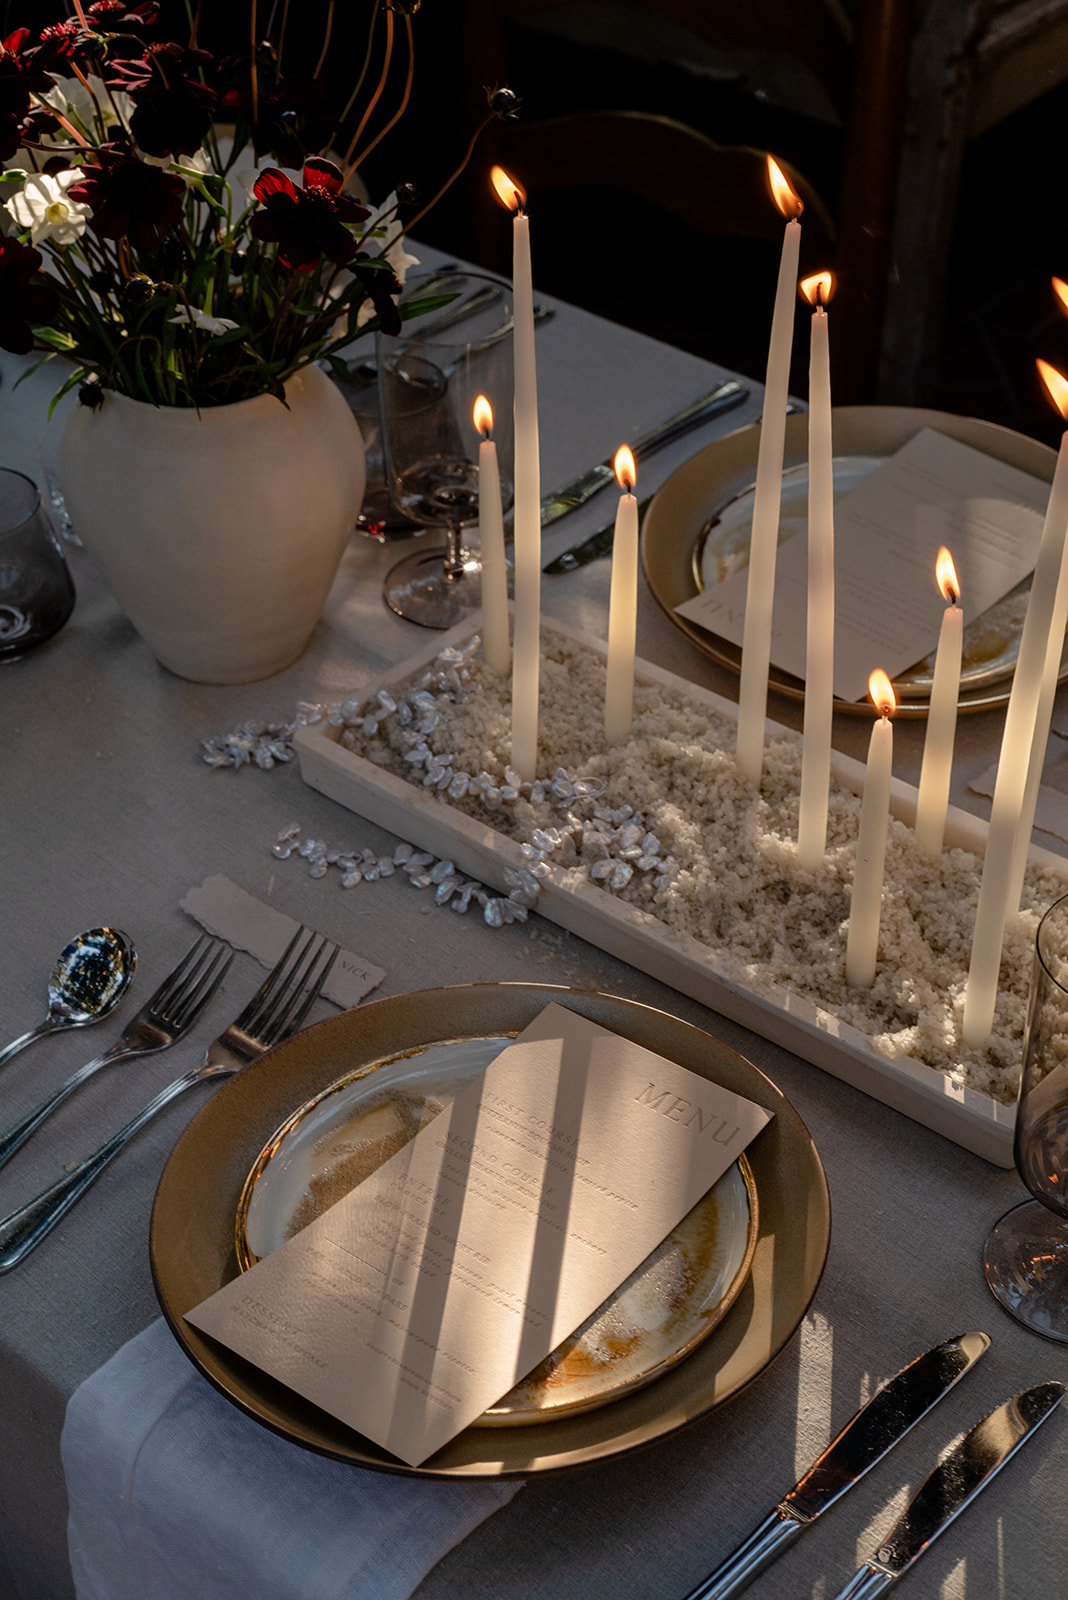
(192, 1253)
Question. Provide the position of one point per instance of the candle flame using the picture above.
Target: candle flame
(946, 576)
(482, 413)
(818, 289)
(1060, 289)
(783, 193)
(625, 469)
(509, 193)
(882, 692)
(1057, 385)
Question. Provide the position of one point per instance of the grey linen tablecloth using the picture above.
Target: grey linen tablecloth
(110, 816)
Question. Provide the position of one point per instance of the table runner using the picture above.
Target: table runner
(176, 1494)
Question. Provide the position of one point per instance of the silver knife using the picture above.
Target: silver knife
(722, 398)
(952, 1486)
(864, 1440)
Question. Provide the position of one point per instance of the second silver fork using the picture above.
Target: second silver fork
(278, 1009)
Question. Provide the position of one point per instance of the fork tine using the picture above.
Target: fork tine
(277, 976)
(185, 1006)
(174, 980)
(290, 1007)
(294, 1020)
(276, 1016)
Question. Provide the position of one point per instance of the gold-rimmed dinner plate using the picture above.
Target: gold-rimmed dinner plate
(696, 532)
(655, 1318)
(192, 1234)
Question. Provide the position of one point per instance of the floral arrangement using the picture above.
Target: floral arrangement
(147, 234)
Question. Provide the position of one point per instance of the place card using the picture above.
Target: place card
(888, 611)
(231, 913)
(422, 1297)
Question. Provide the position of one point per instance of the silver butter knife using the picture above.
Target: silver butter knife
(722, 398)
(865, 1439)
(952, 1486)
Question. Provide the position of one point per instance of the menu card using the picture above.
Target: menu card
(888, 611)
(442, 1279)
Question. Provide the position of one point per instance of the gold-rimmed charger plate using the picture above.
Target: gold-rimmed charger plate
(657, 1316)
(192, 1232)
(684, 512)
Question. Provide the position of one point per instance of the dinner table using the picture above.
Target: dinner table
(111, 815)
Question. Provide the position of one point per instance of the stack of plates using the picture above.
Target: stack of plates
(706, 1312)
(696, 533)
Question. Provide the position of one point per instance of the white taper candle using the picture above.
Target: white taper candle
(936, 771)
(763, 546)
(819, 640)
(865, 911)
(496, 646)
(622, 606)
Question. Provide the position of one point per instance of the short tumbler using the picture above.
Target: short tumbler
(36, 592)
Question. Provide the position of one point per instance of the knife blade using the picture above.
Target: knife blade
(723, 397)
(592, 549)
(952, 1486)
(865, 1439)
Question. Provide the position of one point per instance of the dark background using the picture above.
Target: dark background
(711, 296)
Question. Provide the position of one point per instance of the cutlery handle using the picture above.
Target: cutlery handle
(14, 1137)
(24, 1229)
(12, 1049)
(723, 396)
(866, 1583)
(751, 1557)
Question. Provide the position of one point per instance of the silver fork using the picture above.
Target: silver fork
(161, 1022)
(278, 1009)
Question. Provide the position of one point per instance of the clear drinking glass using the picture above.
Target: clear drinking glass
(36, 591)
(1025, 1258)
(429, 379)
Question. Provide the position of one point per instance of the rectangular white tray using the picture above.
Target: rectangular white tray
(969, 1118)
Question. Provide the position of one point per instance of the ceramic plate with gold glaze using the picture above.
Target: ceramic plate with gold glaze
(658, 1315)
(192, 1236)
(697, 528)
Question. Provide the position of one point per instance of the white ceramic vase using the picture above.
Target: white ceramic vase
(219, 532)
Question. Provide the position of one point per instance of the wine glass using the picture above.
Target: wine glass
(457, 347)
(1025, 1258)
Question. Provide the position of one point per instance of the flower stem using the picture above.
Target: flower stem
(354, 161)
(375, 98)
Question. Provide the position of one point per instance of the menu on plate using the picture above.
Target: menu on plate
(888, 610)
(422, 1297)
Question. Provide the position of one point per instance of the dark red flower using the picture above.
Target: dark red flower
(306, 223)
(130, 199)
(22, 73)
(173, 106)
(22, 301)
(117, 14)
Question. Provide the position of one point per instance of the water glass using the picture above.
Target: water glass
(457, 348)
(36, 591)
(1026, 1255)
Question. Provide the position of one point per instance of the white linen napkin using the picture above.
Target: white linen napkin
(176, 1494)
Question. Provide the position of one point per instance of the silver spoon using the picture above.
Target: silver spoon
(88, 980)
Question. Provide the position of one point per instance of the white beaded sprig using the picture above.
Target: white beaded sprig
(611, 842)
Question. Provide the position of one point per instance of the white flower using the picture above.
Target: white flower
(43, 207)
(188, 168)
(383, 220)
(193, 317)
(98, 116)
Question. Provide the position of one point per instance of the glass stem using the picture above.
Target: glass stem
(454, 553)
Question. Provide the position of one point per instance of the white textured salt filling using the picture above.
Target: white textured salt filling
(739, 890)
